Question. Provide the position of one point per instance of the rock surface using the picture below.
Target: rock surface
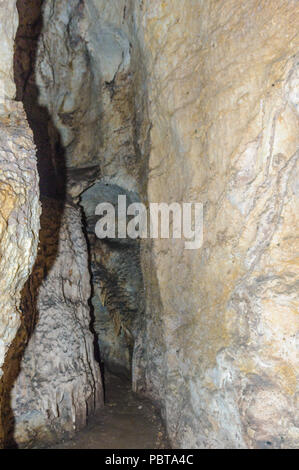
(9, 24)
(117, 279)
(59, 383)
(216, 84)
(220, 346)
(19, 205)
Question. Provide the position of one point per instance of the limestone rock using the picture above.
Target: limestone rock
(219, 345)
(19, 206)
(81, 63)
(51, 167)
(19, 225)
(9, 23)
(117, 279)
(88, 79)
(80, 179)
(59, 384)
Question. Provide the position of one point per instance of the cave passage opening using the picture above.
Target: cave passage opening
(160, 102)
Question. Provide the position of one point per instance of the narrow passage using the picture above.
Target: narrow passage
(127, 422)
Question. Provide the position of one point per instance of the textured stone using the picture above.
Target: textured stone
(88, 79)
(78, 59)
(216, 82)
(19, 225)
(117, 279)
(19, 206)
(50, 153)
(8, 27)
(220, 345)
(59, 383)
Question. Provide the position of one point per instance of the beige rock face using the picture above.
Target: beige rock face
(88, 91)
(50, 381)
(221, 332)
(19, 203)
(59, 382)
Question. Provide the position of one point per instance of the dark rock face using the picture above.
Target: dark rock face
(50, 153)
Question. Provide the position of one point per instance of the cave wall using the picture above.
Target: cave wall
(19, 204)
(188, 101)
(220, 346)
(51, 379)
(89, 79)
(215, 340)
(50, 154)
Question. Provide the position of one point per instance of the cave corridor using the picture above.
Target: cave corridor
(149, 341)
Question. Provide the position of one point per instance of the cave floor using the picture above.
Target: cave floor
(126, 422)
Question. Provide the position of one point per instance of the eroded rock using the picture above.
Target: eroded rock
(117, 279)
(59, 383)
(216, 345)
(88, 79)
(219, 346)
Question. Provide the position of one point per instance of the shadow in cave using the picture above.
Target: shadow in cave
(51, 163)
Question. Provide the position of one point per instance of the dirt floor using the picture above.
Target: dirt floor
(126, 422)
